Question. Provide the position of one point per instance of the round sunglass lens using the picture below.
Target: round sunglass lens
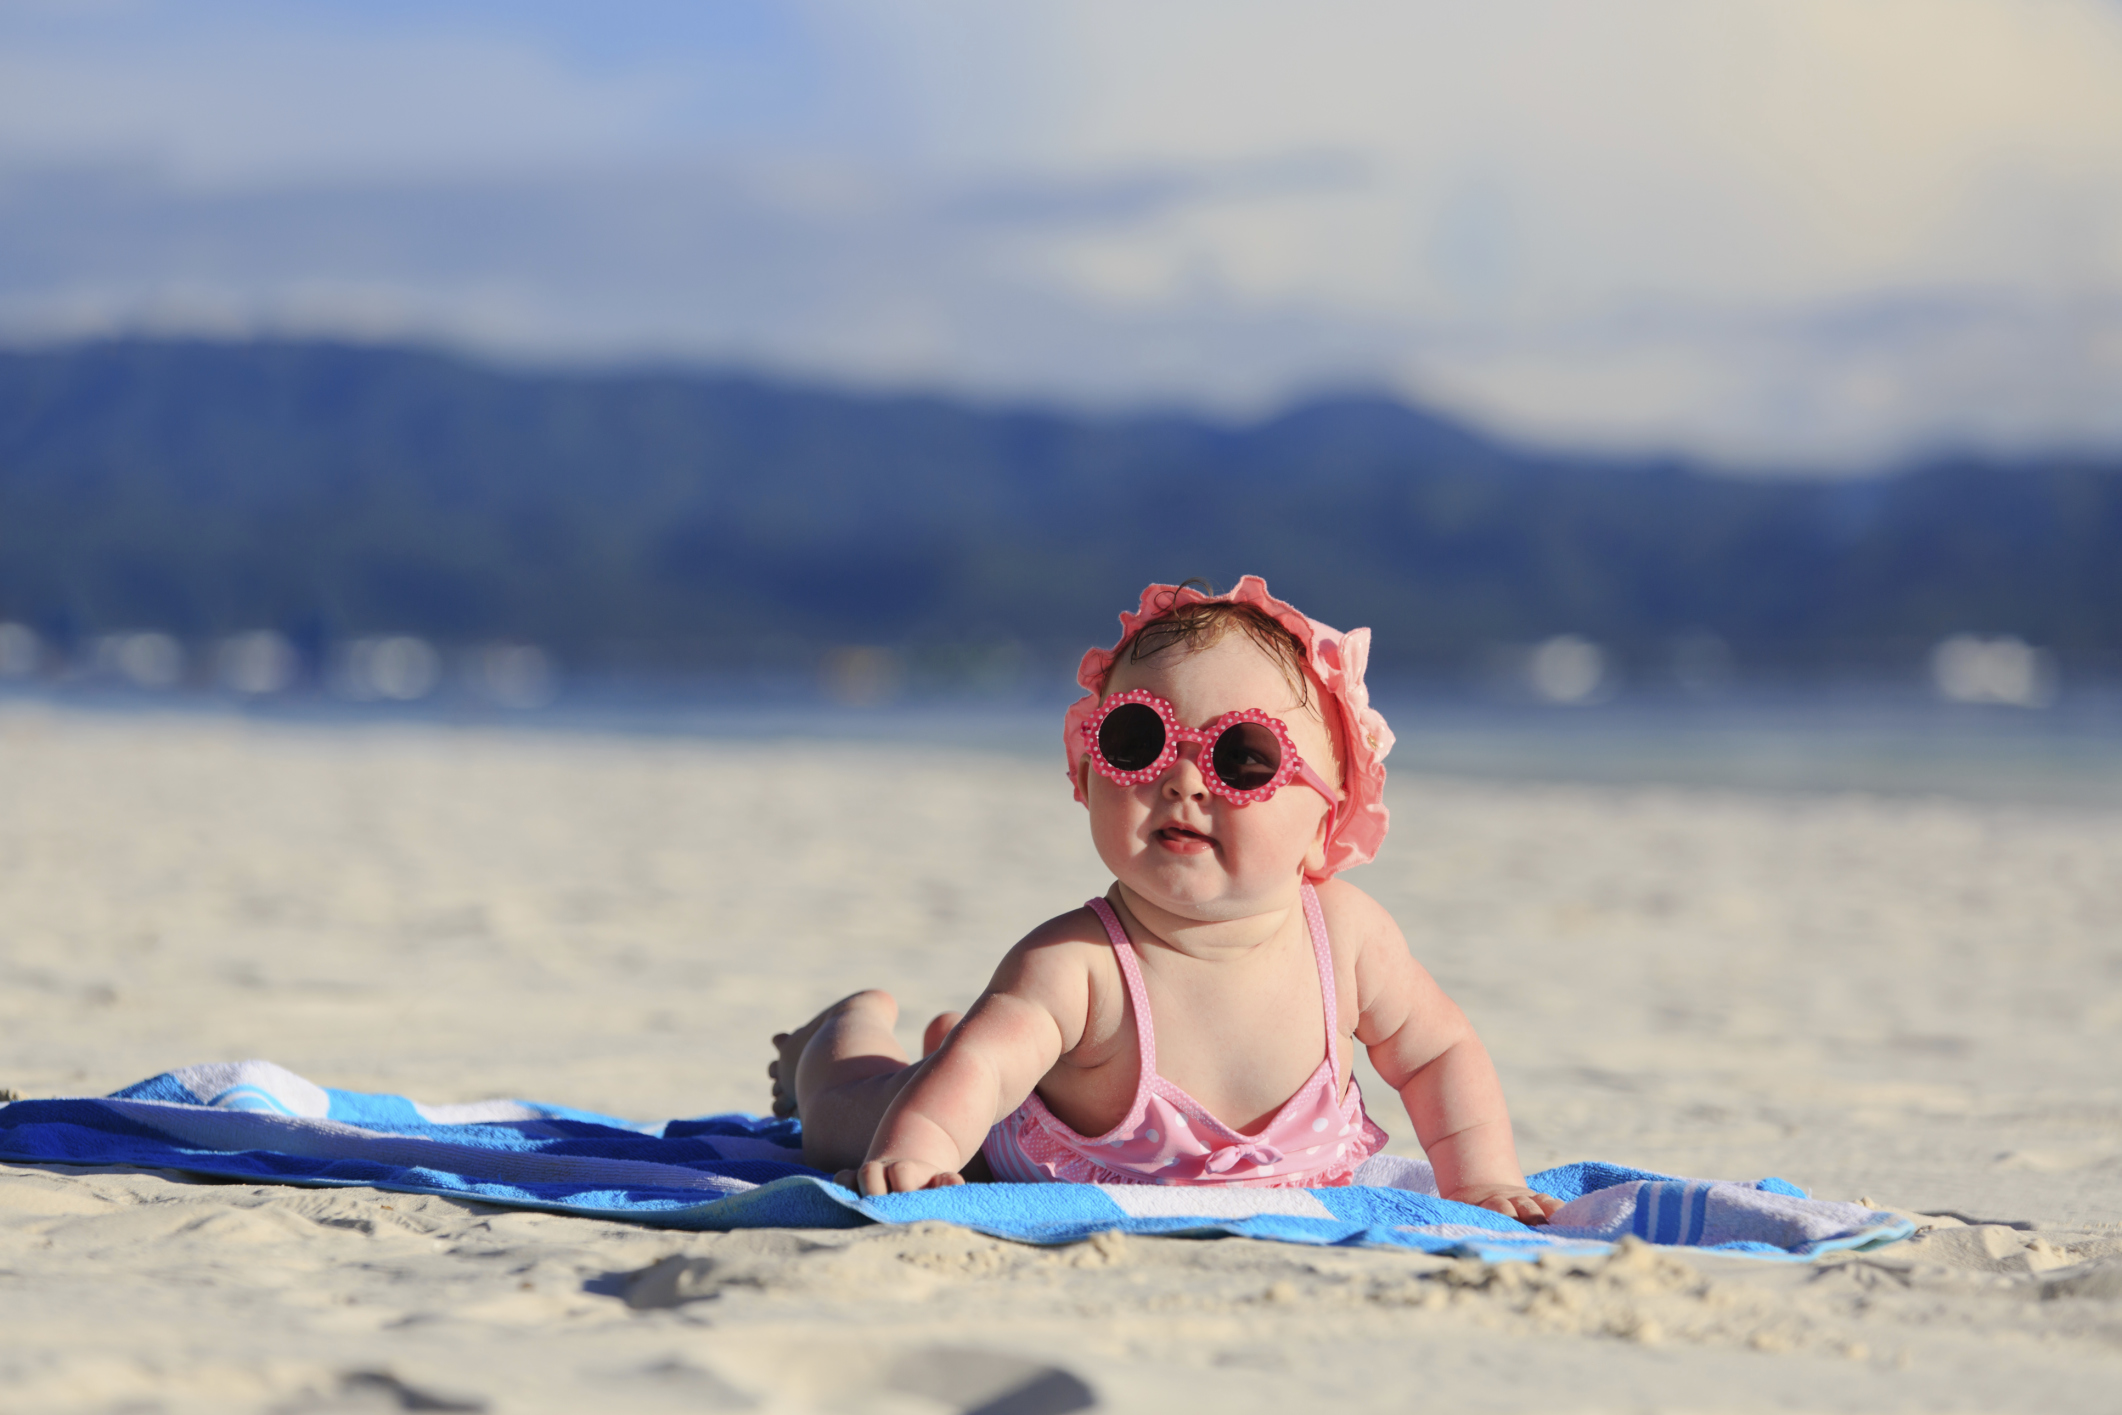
(1247, 756)
(1132, 737)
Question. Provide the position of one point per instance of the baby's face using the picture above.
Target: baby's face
(1172, 842)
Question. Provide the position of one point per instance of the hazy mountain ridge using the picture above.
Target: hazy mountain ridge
(330, 490)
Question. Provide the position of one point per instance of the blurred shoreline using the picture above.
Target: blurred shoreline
(1877, 740)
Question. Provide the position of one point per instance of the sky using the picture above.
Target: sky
(1775, 234)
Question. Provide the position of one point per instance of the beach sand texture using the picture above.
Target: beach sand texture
(1913, 1001)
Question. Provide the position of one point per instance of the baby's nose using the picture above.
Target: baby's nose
(1183, 777)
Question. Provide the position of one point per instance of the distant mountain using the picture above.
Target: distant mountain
(703, 519)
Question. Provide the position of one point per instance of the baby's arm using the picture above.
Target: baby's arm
(1425, 1049)
(1032, 1013)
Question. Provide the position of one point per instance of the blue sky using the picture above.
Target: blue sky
(1775, 232)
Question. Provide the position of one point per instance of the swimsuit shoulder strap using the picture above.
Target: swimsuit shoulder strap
(1323, 953)
(1137, 994)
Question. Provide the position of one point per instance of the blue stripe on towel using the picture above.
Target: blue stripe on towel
(1674, 1211)
(259, 1122)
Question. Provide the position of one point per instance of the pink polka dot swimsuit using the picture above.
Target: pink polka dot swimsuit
(1316, 1139)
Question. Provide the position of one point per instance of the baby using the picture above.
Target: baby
(1196, 1025)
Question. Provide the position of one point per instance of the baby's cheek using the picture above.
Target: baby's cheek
(1112, 825)
(1284, 835)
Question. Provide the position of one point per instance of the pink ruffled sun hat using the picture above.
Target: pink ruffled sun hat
(1335, 661)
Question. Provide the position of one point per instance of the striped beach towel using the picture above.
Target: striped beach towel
(255, 1121)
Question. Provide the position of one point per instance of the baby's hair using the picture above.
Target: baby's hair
(1196, 626)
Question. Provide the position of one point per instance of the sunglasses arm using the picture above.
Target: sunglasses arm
(1318, 783)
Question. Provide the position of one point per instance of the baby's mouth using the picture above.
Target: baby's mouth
(1184, 841)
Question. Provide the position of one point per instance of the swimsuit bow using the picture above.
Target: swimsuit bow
(1231, 1156)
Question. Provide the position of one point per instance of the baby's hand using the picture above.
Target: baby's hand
(896, 1177)
(1512, 1200)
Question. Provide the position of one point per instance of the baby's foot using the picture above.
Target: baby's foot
(939, 1027)
(789, 1050)
(789, 1045)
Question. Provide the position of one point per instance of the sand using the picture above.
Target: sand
(1913, 1001)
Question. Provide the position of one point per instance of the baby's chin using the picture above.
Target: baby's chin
(1208, 896)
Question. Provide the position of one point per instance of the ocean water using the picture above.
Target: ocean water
(1874, 743)
(1882, 742)
(1885, 742)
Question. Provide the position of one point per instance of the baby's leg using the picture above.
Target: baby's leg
(841, 1070)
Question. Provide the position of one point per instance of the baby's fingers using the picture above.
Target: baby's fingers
(1524, 1205)
(868, 1180)
(1531, 1206)
(898, 1177)
(909, 1175)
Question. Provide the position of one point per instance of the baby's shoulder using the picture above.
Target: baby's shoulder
(1077, 930)
(1354, 920)
(1066, 965)
(1067, 946)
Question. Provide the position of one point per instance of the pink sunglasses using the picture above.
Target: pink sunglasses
(1134, 737)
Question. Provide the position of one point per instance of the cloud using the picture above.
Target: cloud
(825, 269)
(232, 92)
(1767, 230)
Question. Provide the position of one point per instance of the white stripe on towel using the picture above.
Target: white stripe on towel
(1223, 1201)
